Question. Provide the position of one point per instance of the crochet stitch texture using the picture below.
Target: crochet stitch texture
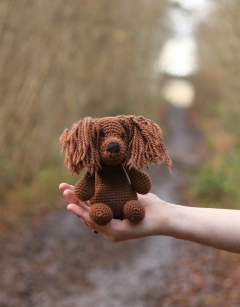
(114, 151)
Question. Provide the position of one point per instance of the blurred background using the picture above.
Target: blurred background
(176, 62)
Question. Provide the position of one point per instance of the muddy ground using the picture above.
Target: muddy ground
(58, 261)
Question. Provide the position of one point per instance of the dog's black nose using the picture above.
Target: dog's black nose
(113, 147)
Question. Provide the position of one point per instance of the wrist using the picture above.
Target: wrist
(184, 222)
(176, 221)
(167, 219)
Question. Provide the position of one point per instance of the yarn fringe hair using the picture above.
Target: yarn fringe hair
(81, 145)
(146, 145)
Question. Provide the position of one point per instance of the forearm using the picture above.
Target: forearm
(219, 228)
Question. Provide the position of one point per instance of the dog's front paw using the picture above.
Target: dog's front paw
(81, 193)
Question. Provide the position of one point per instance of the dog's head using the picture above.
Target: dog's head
(113, 141)
(130, 140)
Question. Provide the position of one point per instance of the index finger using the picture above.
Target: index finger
(64, 186)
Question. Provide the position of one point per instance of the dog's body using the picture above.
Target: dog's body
(106, 185)
(108, 181)
(109, 148)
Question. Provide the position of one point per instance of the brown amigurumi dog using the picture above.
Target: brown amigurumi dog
(114, 151)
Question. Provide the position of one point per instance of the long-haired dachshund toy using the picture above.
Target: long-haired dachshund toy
(114, 151)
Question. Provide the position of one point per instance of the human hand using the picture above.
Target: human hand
(157, 219)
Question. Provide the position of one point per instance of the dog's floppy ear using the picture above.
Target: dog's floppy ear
(145, 142)
(81, 145)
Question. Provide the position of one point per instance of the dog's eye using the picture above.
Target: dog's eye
(122, 135)
(102, 133)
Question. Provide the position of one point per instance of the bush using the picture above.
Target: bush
(217, 184)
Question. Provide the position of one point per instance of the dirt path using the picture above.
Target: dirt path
(62, 263)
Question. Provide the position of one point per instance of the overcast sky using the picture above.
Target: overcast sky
(178, 56)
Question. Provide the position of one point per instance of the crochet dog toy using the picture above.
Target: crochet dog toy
(114, 151)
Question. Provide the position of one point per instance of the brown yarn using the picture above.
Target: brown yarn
(81, 144)
(85, 188)
(100, 214)
(139, 181)
(134, 211)
(114, 151)
(146, 144)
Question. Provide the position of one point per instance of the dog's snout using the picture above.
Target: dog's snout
(113, 147)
